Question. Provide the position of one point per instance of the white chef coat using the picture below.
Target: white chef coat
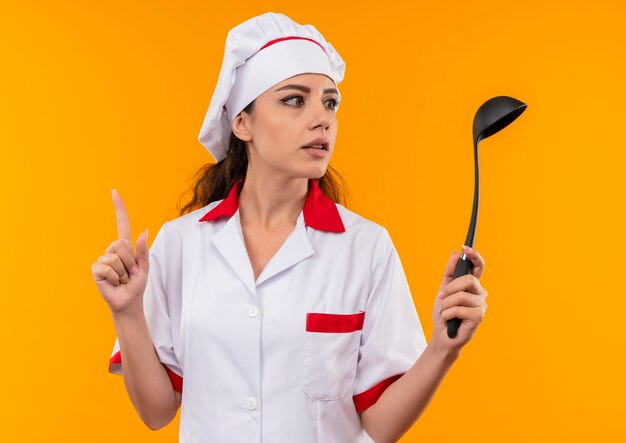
(294, 356)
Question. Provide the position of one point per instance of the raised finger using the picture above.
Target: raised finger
(123, 223)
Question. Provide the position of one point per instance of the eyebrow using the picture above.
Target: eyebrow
(305, 89)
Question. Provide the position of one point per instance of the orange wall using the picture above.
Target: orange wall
(101, 95)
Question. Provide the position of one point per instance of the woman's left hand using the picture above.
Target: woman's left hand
(464, 298)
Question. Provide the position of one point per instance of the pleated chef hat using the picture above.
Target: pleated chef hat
(260, 53)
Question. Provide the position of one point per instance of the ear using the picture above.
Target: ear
(240, 126)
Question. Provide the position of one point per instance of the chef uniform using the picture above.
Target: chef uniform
(328, 325)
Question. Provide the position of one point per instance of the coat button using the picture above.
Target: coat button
(251, 403)
(253, 311)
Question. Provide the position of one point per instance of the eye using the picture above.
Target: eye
(293, 97)
(333, 107)
(334, 102)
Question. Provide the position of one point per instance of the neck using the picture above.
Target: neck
(271, 202)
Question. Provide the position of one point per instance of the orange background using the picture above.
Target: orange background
(101, 95)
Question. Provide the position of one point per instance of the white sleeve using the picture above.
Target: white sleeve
(392, 338)
(160, 313)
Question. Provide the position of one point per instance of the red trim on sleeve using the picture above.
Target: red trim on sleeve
(367, 398)
(116, 359)
(177, 380)
(325, 322)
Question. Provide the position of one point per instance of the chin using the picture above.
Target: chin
(319, 173)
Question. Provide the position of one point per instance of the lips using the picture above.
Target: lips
(318, 143)
(319, 148)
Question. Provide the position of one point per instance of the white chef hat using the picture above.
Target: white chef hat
(260, 53)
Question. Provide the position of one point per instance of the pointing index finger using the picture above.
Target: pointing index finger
(123, 223)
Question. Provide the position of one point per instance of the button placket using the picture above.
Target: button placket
(251, 403)
(253, 311)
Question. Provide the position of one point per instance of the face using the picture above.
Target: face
(287, 117)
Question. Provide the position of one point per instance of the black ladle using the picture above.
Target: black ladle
(492, 116)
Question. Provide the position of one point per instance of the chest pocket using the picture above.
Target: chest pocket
(331, 349)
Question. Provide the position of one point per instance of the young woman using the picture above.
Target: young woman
(287, 316)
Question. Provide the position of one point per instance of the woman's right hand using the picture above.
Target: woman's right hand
(121, 274)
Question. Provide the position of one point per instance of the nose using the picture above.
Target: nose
(322, 117)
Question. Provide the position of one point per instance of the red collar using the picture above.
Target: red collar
(319, 211)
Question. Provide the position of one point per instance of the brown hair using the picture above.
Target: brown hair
(213, 181)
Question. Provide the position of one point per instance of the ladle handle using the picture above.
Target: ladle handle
(463, 266)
